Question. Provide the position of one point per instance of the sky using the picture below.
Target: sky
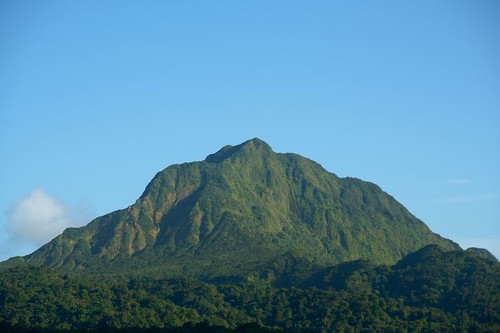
(96, 97)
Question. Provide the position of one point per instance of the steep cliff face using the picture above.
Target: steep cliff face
(243, 209)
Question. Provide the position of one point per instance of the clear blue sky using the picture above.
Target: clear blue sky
(98, 96)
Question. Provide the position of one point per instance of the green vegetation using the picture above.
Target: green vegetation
(249, 240)
(430, 290)
(243, 210)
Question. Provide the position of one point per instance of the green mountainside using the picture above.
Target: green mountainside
(250, 240)
(243, 212)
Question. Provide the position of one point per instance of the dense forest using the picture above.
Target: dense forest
(430, 290)
(249, 240)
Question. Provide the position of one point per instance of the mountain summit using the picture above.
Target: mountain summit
(242, 211)
(254, 146)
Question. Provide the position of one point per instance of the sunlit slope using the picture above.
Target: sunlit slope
(241, 210)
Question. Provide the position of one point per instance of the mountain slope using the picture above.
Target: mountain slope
(242, 210)
(454, 281)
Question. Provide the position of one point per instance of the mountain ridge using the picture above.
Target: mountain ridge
(238, 212)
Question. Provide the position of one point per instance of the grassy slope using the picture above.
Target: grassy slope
(244, 211)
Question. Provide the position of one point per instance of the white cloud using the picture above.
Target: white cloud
(39, 217)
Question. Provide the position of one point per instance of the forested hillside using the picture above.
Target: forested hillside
(429, 290)
(249, 240)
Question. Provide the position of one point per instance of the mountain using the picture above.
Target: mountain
(250, 240)
(244, 212)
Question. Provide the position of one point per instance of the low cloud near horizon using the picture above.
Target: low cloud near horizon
(38, 218)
